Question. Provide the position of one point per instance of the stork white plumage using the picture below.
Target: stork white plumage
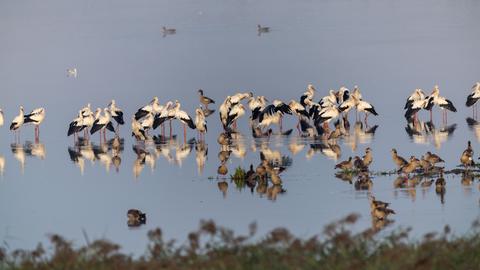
(272, 114)
(473, 98)
(328, 100)
(76, 125)
(35, 117)
(17, 122)
(102, 123)
(442, 102)
(223, 111)
(185, 119)
(347, 105)
(256, 105)
(137, 130)
(236, 112)
(163, 116)
(307, 95)
(200, 123)
(147, 122)
(342, 95)
(326, 115)
(237, 98)
(299, 110)
(367, 108)
(153, 107)
(417, 95)
(117, 113)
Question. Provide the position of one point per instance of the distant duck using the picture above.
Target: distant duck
(116, 112)
(18, 122)
(376, 203)
(35, 117)
(72, 72)
(433, 158)
(467, 156)
(368, 157)
(345, 165)
(168, 31)
(382, 213)
(205, 100)
(2, 119)
(136, 218)
(262, 29)
(399, 161)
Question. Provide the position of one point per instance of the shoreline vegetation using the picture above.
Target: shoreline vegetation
(215, 247)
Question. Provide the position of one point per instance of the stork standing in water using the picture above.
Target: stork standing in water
(186, 120)
(35, 117)
(473, 98)
(205, 100)
(256, 105)
(200, 123)
(308, 95)
(224, 110)
(117, 114)
(102, 123)
(76, 126)
(442, 102)
(367, 108)
(236, 112)
(17, 123)
(299, 110)
(273, 113)
(161, 117)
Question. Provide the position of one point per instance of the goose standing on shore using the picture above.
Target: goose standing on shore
(205, 100)
(17, 123)
(35, 117)
(473, 98)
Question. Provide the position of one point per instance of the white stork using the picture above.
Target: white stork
(17, 123)
(35, 117)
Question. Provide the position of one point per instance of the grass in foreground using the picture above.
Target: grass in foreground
(214, 247)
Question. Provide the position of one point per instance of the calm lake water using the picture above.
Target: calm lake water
(388, 48)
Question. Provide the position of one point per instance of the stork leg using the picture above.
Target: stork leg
(281, 118)
(298, 127)
(431, 116)
(184, 134)
(170, 123)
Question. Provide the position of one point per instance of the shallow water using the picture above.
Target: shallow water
(388, 48)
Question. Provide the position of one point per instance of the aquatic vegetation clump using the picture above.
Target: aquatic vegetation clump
(215, 247)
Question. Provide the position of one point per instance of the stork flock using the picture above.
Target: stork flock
(313, 117)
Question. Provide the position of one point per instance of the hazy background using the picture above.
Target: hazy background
(388, 48)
